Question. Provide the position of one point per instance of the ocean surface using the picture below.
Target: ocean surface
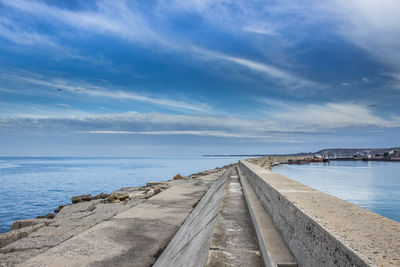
(32, 186)
(372, 185)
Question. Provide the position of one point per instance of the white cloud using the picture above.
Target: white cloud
(83, 88)
(154, 124)
(369, 24)
(395, 80)
(259, 30)
(196, 133)
(278, 75)
(304, 117)
(283, 120)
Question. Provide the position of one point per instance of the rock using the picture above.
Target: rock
(164, 186)
(57, 210)
(123, 197)
(113, 197)
(81, 198)
(149, 184)
(92, 206)
(149, 193)
(47, 216)
(178, 177)
(157, 190)
(77, 210)
(102, 195)
(136, 194)
(129, 189)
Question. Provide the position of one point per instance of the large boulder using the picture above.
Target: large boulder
(157, 190)
(178, 177)
(47, 216)
(116, 198)
(81, 198)
(102, 195)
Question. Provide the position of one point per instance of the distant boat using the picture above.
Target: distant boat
(275, 163)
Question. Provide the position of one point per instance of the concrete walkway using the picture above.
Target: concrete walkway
(134, 237)
(234, 242)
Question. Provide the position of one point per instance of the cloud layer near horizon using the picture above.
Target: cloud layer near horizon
(311, 118)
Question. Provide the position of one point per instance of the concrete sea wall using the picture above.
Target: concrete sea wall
(322, 230)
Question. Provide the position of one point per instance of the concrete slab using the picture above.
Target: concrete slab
(132, 238)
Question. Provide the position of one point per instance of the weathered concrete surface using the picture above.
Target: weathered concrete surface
(30, 237)
(273, 248)
(190, 246)
(28, 222)
(234, 242)
(322, 230)
(28, 241)
(131, 238)
(16, 234)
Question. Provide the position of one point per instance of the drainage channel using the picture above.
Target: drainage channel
(234, 241)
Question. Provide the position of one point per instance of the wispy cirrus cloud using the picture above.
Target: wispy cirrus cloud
(194, 133)
(284, 77)
(115, 18)
(126, 21)
(83, 88)
(260, 29)
(10, 31)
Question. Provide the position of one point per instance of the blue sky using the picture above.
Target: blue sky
(177, 77)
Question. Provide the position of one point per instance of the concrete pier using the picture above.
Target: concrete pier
(241, 215)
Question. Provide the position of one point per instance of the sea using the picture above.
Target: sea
(33, 186)
(373, 185)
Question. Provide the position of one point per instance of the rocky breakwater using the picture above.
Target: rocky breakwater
(270, 161)
(31, 237)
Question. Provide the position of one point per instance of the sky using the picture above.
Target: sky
(186, 78)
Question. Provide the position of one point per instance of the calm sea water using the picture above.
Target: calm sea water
(372, 185)
(32, 186)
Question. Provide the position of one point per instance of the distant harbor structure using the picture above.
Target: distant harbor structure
(373, 154)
